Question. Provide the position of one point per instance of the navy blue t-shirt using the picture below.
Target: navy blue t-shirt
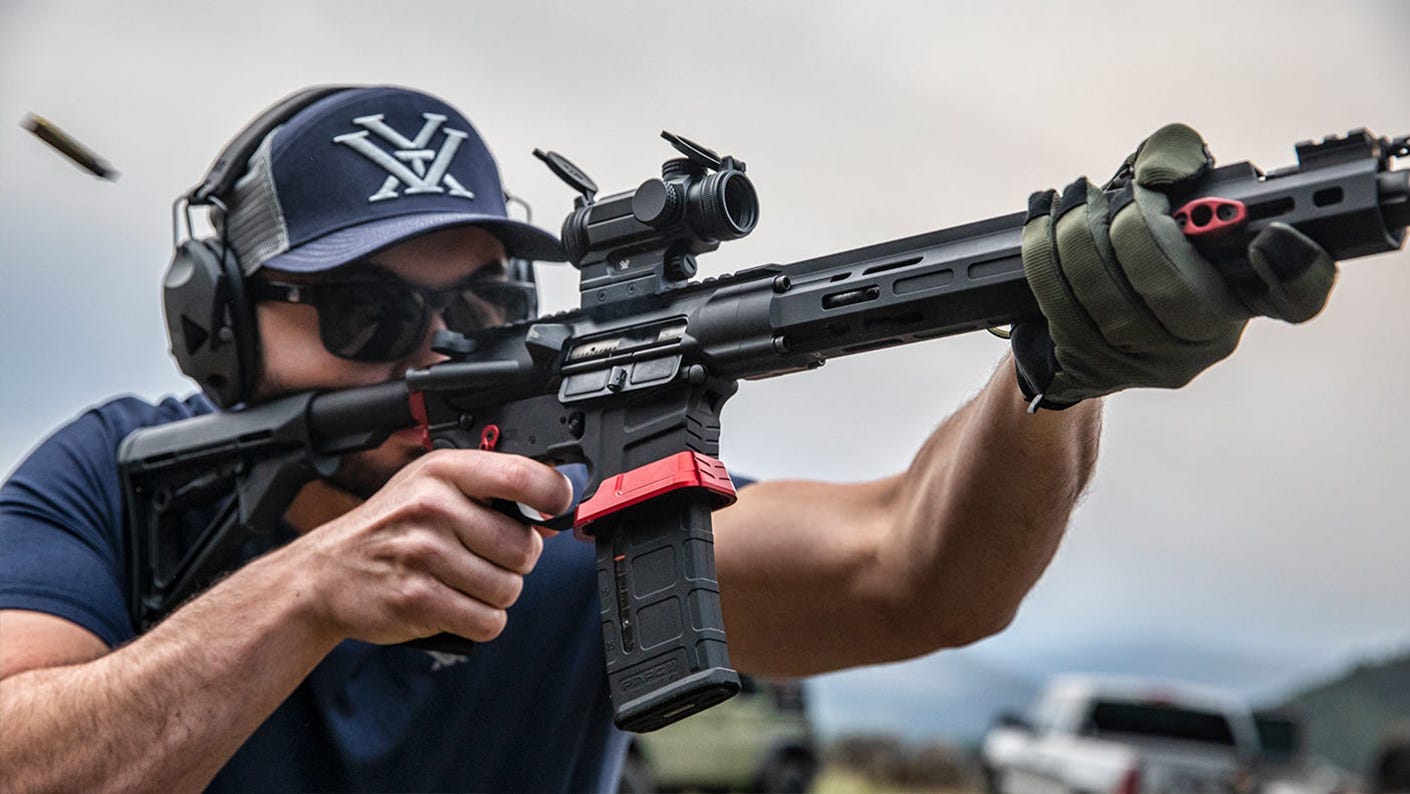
(526, 712)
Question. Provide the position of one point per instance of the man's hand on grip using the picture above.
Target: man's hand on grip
(426, 554)
(1129, 301)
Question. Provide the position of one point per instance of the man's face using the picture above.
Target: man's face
(295, 359)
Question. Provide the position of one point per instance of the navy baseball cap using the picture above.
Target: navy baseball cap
(363, 169)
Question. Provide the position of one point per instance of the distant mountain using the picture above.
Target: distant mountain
(1347, 717)
(951, 695)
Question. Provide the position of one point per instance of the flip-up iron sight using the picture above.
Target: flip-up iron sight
(641, 242)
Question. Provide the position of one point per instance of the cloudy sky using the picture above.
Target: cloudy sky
(1259, 516)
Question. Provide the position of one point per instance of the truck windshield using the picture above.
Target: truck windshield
(1159, 720)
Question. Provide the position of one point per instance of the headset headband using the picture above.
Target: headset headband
(231, 161)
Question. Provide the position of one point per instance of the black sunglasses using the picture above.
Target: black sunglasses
(372, 315)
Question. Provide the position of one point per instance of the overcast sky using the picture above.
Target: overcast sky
(1261, 512)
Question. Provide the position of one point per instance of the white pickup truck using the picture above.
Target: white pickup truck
(1123, 735)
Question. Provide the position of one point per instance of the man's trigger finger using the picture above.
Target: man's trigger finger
(496, 475)
(572, 491)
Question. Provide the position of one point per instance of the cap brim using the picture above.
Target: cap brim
(348, 245)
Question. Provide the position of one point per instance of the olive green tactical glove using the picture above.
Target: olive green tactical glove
(1128, 301)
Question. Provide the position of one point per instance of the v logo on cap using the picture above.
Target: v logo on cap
(307, 204)
(408, 164)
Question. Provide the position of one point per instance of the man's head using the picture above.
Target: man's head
(360, 222)
(316, 186)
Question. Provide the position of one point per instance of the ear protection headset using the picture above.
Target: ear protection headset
(210, 322)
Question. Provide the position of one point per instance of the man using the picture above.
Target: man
(279, 676)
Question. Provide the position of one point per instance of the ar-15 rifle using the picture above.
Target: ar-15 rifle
(633, 381)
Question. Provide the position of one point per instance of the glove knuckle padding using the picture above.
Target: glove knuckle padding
(1184, 292)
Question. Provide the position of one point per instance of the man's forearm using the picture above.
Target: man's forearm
(166, 711)
(820, 576)
(983, 505)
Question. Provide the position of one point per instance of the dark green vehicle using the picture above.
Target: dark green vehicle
(759, 740)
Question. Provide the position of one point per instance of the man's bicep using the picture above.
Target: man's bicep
(32, 640)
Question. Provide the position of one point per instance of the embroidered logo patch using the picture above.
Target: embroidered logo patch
(440, 660)
(409, 164)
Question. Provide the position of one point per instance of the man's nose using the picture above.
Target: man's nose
(424, 355)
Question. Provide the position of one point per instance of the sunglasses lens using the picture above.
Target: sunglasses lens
(370, 321)
(487, 304)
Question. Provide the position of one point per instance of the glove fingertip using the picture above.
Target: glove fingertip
(1073, 196)
(1305, 272)
(1287, 251)
(1040, 203)
(1172, 155)
(1309, 293)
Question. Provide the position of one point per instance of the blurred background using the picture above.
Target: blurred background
(1247, 532)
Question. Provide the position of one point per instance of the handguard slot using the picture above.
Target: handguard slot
(851, 297)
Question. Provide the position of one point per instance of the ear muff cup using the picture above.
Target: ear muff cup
(210, 323)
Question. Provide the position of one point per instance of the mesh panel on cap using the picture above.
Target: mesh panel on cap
(255, 221)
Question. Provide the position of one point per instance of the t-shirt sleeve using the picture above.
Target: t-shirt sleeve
(62, 548)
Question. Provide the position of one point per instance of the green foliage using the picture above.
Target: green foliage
(1348, 718)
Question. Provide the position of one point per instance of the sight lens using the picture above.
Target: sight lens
(741, 203)
(723, 206)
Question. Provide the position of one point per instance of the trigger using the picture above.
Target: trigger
(521, 512)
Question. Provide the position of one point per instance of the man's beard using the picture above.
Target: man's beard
(363, 474)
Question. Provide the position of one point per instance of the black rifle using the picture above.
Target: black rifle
(632, 384)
